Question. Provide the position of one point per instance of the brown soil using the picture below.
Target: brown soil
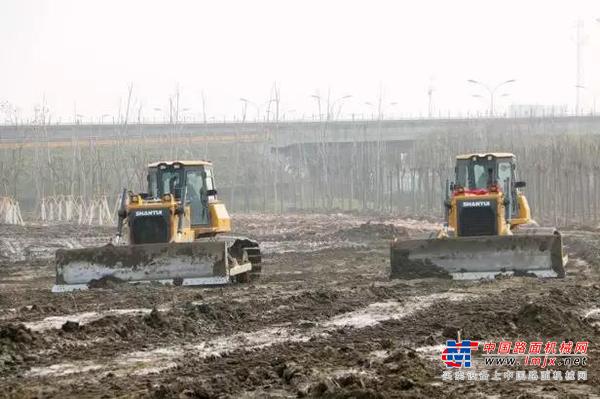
(324, 320)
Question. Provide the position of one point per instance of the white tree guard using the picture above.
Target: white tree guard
(10, 212)
(76, 209)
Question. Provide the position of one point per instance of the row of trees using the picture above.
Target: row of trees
(408, 177)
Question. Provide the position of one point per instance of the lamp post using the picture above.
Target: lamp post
(379, 109)
(318, 98)
(288, 111)
(578, 104)
(330, 106)
(373, 106)
(183, 113)
(268, 104)
(339, 100)
(491, 90)
(156, 109)
(430, 91)
(244, 109)
(393, 104)
(246, 102)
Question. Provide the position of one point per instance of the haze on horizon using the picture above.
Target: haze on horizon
(80, 57)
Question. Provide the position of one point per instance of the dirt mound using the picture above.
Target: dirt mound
(554, 313)
(407, 363)
(154, 319)
(404, 369)
(220, 314)
(16, 333)
(345, 387)
(182, 390)
(153, 324)
(70, 326)
(106, 282)
(15, 342)
(584, 252)
(549, 320)
(404, 268)
(373, 231)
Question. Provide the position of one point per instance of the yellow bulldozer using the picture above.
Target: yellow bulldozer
(174, 233)
(488, 229)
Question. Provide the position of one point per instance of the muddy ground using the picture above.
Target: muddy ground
(323, 321)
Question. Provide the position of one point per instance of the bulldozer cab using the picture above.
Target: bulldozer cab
(197, 178)
(482, 171)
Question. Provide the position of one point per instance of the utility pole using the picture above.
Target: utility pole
(244, 109)
(430, 90)
(203, 108)
(318, 98)
(579, 73)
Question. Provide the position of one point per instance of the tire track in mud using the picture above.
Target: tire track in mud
(382, 360)
(21, 249)
(213, 313)
(19, 243)
(162, 358)
(278, 338)
(57, 322)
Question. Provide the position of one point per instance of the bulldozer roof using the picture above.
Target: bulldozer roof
(482, 155)
(184, 163)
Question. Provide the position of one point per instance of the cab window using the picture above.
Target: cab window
(171, 182)
(197, 197)
(209, 180)
(504, 174)
(480, 176)
(152, 184)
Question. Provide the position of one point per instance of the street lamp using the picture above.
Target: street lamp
(577, 110)
(268, 104)
(183, 111)
(379, 110)
(288, 111)
(156, 109)
(593, 111)
(318, 98)
(246, 102)
(332, 108)
(245, 107)
(392, 104)
(491, 90)
(371, 105)
(330, 105)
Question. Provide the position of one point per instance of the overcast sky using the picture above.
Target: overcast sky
(82, 55)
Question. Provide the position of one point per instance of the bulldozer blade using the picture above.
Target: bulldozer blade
(479, 257)
(190, 263)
